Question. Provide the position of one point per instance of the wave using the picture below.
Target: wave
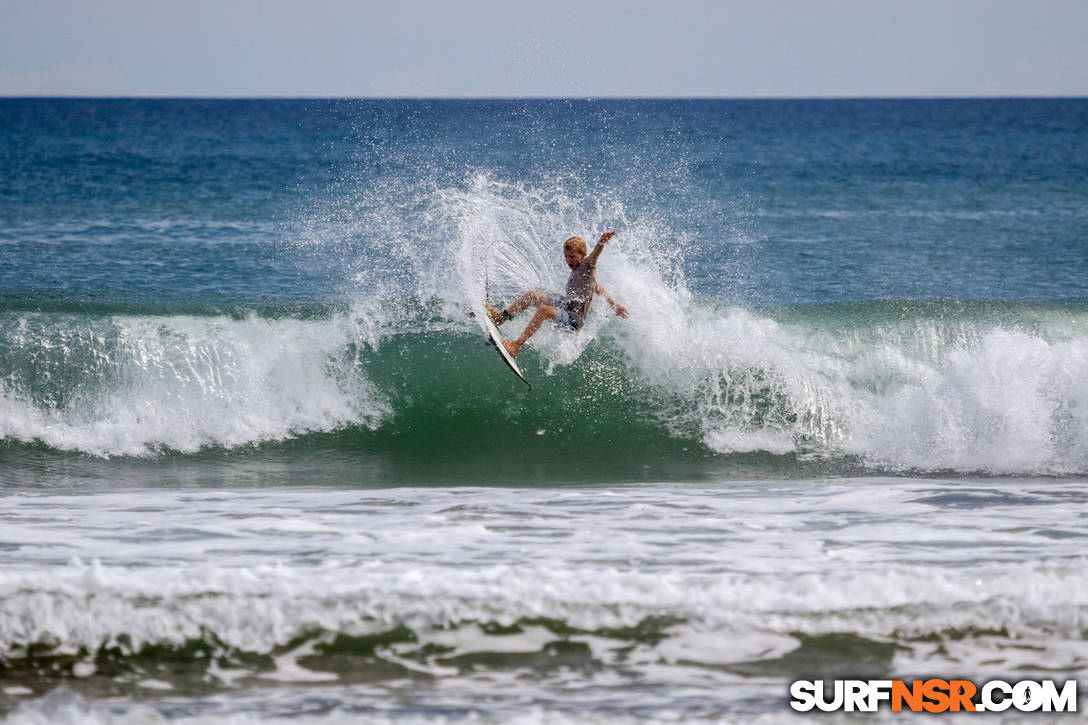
(132, 384)
(365, 622)
(892, 386)
(397, 372)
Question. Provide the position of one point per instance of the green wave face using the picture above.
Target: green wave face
(408, 392)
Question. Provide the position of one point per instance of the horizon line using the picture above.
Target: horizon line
(844, 97)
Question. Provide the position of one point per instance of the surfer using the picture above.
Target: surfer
(569, 310)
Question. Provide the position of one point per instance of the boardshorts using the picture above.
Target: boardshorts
(562, 317)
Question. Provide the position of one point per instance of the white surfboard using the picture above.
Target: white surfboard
(496, 340)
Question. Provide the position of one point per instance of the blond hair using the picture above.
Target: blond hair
(576, 244)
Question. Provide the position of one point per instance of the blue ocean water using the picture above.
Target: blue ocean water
(845, 428)
(769, 202)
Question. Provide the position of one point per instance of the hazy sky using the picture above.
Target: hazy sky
(550, 48)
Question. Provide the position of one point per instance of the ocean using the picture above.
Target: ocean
(257, 463)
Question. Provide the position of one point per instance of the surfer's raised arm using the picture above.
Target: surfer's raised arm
(592, 259)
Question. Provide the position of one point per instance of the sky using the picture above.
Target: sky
(508, 48)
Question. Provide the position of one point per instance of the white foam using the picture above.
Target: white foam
(732, 572)
(511, 710)
(726, 618)
(187, 382)
(1012, 402)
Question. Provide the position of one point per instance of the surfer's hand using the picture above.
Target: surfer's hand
(605, 237)
(620, 310)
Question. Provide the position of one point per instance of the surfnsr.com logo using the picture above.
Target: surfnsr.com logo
(934, 696)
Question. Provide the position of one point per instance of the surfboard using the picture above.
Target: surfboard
(495, 340)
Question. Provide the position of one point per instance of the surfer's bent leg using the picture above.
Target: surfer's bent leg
(543, 312)
(532, 298)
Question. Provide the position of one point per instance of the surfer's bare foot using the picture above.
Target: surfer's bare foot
(511, 347)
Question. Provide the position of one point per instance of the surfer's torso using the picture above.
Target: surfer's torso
(579, 293)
